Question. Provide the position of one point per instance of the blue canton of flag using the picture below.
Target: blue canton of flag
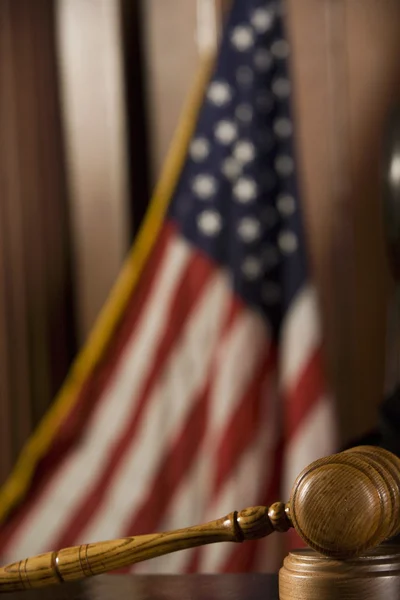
(237, 199)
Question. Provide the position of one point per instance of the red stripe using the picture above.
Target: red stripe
(194, 563)
(172, 470)
(239, 432)
(302, 397)
(299, 402)
(77, 421)
(267, 370)
(188, 293)
(175, 465)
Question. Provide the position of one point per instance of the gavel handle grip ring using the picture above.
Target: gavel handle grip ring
(87, 560)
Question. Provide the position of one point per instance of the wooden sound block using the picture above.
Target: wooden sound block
(307, 575)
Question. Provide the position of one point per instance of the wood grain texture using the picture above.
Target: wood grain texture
(342, 506)
(305, 575)
(36, 324)
(87, 560)
(346, 504)
(345, 60)
(384, 465)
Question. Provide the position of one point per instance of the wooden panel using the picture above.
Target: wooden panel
(37, 332)
(91, 74)
(173, 56)
(346, 68)
(172, 61)
(16, 393)
(374, 76)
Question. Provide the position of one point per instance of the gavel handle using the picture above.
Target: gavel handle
(94, 559)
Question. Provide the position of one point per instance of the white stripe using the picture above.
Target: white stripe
(301, 335)
(239, 354)
(166, 410)
(239, 492)
(316, 435)
(244, 487)
(85, 464)
(239, 357)
(315, 438)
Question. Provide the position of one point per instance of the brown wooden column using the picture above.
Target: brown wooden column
(37, 332)
(347, 73)
(90, 60)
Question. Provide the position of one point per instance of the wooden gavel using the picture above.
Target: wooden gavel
(341, 506)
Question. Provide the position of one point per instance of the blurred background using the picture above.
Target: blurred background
(90, 94)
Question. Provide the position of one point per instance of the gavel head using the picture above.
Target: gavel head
(345, 504)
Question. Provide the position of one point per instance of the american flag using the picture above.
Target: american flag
(201, 390)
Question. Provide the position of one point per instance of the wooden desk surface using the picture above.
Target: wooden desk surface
(160, 587)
